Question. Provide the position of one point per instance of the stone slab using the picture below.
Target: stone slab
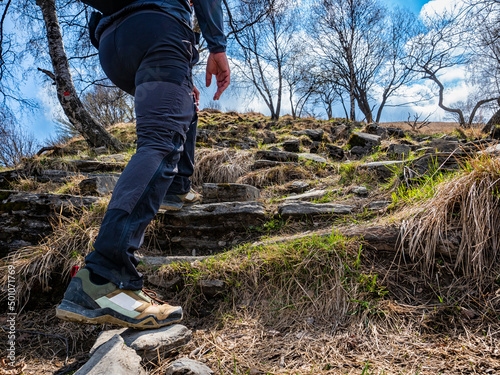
(113, 357)
(308, 196)
(261, 164)
(186, 366)
(100, 185)
(282, 156)
(364, 139)
(314, 134)
(147, 343)
(229, 214)
(300, 209)
(313, 157)
(213, 193)
(161, 261)
(384, 169)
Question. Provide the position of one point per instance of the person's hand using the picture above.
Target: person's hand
(196, 95)
(218, 65)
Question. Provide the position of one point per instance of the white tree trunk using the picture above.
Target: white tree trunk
(93, 132)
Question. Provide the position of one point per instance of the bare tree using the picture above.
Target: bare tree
(484, 29)
(397, 69)
(16, 142)
(300, 80)
(265, 47)
(442, 44)
(109, 105)
(93, 132)
(351, 45)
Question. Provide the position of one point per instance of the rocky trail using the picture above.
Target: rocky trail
(265, 184)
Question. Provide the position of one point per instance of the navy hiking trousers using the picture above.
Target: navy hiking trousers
(150, 55)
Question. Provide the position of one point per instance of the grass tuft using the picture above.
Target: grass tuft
(38, 267)
(461, 217)
(220, 166)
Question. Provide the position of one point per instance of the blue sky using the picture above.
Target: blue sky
(41, 122)
(413, 5)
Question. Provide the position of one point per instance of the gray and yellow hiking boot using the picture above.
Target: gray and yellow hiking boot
(173, 202)
(87, 302)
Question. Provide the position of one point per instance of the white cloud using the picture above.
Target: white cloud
(434, 7)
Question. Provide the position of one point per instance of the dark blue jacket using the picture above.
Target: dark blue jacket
(208, 12)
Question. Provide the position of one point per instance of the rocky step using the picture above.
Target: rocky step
(193, 231)
(47, 175)
(25, 218)
(207, 228)
(96, 166)
(122, 351)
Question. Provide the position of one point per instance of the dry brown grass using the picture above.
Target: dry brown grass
(315, 306)
(37, 266)
(433, 128)
(278, 175)
(462, 219)
(364, 348)
(220, 166)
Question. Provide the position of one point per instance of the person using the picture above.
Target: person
(148, 50)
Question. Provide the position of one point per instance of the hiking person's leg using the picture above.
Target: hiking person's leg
(180, 193)
(159, 49)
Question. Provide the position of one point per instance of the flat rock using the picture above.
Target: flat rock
(282, 156)
(261, 164)
(291, 145)
(147, 343)
(308, 196)
(213, 193)
(384, 132)
(377, 205)
(100, 185)
(442, 145)
(299, 209)
(186, 366)
(364, 140)
(211, 288)
(360, 190)
(358, 150)
(340, 132)
(95, 166)
(298, 186)
(314, 134)
(269, 137)
(492, 150)
(113, 357)
(6, 177)
(213, 213)
(313, 157)
(335, 152)
(116, 158)
(384, 169)
(399, 150)
(443, 160)
(100, 150)
(161, 261)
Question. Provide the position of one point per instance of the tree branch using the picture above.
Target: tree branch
(48, 72)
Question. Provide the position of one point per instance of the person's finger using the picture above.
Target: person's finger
(208, 78)
(196, 93)
(223, 81)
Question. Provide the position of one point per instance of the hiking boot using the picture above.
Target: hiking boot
(173, 202)
(87, 302)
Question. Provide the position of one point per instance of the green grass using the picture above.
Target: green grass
(277, 275)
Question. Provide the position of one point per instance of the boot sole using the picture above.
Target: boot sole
(146, 323)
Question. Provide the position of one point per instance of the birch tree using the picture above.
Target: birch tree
(93, 132)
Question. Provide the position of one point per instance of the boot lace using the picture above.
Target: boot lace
(153, 295)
